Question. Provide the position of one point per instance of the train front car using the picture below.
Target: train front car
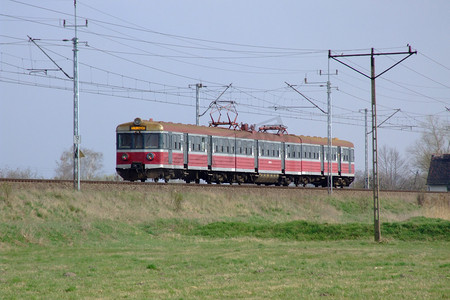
(140, 150)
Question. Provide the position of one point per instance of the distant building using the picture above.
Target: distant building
(439, 174)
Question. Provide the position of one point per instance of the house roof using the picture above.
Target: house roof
(439, 173)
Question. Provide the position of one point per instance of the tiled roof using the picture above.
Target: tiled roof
(439, 173)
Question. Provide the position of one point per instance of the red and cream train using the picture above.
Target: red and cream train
(148, 149)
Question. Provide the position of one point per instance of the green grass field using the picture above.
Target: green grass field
(60, 244)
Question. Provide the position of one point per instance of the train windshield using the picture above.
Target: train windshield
(138, 140)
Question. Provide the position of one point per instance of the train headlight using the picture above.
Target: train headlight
(137, 121)
(150, 156)
(124, 156)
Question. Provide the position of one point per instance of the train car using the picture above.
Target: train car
(148, 149)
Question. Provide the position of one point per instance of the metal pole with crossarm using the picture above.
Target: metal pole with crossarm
(372, 77)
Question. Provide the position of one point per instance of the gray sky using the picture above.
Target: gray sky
(141, 57)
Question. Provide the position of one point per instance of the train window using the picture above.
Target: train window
(124, 141)
(180, 144)
(138, 140)
(177, 141)
(194, 141)
(345, 156)
(163, 137)
(151, 141)
(197, 143)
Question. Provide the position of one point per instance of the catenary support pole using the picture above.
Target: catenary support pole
(76, 108)
(372, 77)
(198, 86)
(375, 180)
(76, 116)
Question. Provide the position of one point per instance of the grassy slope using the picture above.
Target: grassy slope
(43, 216)
(60, 244)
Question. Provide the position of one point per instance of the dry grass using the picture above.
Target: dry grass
(138, 204)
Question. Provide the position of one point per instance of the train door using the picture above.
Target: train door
(350, 159)
(322, 159)
(186, 150)
(235, 151)
(256, 153)
(170, 144)
(209, 147)
(283, 157)
(339, 159)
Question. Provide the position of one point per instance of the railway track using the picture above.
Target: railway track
(88, 183)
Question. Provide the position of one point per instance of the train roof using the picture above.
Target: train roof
(152, 125)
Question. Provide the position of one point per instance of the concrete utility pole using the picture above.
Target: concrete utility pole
(76, 117)
(329, 127)
(198, 86)
(329, 131)
(372, 77)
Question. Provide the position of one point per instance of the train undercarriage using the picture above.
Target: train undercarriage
(137, 172)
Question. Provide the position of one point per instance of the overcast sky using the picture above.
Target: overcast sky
(138, 58)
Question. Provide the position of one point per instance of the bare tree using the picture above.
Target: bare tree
(91, 165)
(18, 173)
(393, 169)
(435, 140)
(358, 182)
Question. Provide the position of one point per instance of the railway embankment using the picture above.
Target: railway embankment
(144, 201)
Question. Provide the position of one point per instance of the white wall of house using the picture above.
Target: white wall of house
(437, 188)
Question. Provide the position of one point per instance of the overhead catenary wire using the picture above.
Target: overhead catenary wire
(250, 93)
